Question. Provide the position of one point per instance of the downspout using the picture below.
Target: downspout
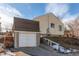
(48, 26)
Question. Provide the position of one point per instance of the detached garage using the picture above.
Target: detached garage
(26, 33)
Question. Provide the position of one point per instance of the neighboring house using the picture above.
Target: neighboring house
(50, 24)
(26, 33)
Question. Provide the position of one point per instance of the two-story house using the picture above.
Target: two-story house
(50, 24)
(27, 32)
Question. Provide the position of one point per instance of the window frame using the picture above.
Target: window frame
(60, 27)
(52, 25)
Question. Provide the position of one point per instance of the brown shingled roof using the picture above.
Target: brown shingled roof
(21, 24)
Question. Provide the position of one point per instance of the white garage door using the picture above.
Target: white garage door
(27, 40)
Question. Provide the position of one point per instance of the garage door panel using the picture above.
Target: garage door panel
(27, 40)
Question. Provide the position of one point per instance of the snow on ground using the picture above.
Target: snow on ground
(5, 52)
(60, 48)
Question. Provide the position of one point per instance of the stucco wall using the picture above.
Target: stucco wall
(45, 22)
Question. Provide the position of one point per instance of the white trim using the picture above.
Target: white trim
(27, 31)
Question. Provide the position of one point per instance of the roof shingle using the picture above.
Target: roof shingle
(21, 24)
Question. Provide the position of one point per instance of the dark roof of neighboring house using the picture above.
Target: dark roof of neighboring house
(21, 24)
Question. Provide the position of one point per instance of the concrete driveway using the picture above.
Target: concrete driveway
(44, 51)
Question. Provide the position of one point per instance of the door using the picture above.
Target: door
(27, 40)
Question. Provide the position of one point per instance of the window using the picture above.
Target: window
(52, 25)
(60, 28)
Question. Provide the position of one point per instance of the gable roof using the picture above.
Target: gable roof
(56, 18)
(48, 14)
(21, 24)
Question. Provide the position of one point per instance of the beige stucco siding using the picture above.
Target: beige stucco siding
(57, 22)
(45, 22)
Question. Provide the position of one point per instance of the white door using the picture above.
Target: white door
(27, 40)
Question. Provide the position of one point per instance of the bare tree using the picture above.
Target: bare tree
(8, 27)
(74, 26)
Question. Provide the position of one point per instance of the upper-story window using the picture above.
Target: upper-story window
(60, 27)
(52, 25)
